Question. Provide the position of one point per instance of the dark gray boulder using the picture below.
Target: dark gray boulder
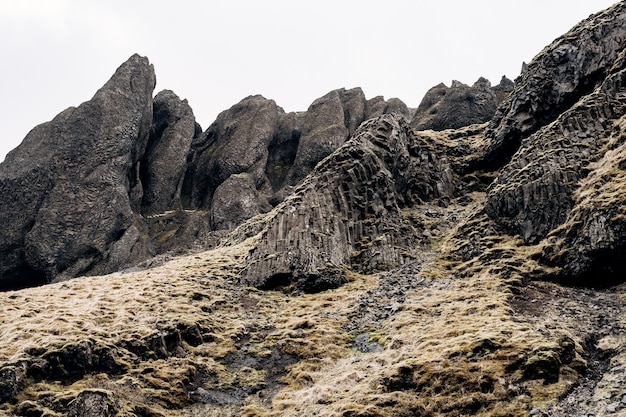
(377, 106)
(459, 105)
(323, 130)
(69, 188)
(235, 201)
(165, 162)
(237, 142)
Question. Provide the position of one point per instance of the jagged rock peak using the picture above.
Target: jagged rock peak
(459, 105)
(70, 182)
(568, 69)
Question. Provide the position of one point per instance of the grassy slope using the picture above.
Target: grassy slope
(471, 337)
(460, 344)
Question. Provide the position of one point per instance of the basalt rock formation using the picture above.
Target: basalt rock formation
(348, 212)
(125, 177)
(345, 263)
(164, 163)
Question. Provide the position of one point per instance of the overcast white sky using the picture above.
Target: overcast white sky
(57, 53)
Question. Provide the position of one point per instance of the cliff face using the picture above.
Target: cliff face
(70, 187)
(345, 262)
(125, 177)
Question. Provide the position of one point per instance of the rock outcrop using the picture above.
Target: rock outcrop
(71, 186)
(558, 121)
(460, 105)
(267, 151)
(124, 176)
(570, 68)
(348, 212)
(163, 167)
(447, 273)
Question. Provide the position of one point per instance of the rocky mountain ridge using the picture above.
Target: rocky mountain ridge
(142, 179)
(364, 267)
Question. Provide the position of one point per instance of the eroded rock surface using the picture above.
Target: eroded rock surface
(570, 68)
(275, 150)
(446, 252)
(460, 105)
(348, 210)
(164, 164)
(71, 185)
(583, 71)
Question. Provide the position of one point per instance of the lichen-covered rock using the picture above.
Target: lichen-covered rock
(71, 185)
(165, 162)
(591, 244)
(459, 105)
(11, 379)
(92, 403)
(348, 210)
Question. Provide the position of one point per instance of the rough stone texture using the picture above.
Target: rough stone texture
(235, 201)
(324, 129)
(465, 286)
(164, 165)
(592, 242)
(274, 150)
(283, 149)
(570, 68)
(347, 212)
(460, 105)
(377, 106)
(11, 378)
(92, 403)
(331, 120)
(237, 142)
(70, 182)
(534, 192)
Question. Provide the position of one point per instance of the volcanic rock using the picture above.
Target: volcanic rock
(164, 164)
(459, 105)
(570, 68)
(348, 210)
(559, 120)
(325, 128)
(70, 182)
(275, 150)
(235, 201)
(235, 143)
(434, 262)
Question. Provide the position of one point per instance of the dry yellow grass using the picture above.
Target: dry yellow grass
(185, 339)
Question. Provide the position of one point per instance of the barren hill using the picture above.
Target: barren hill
(335, 262)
